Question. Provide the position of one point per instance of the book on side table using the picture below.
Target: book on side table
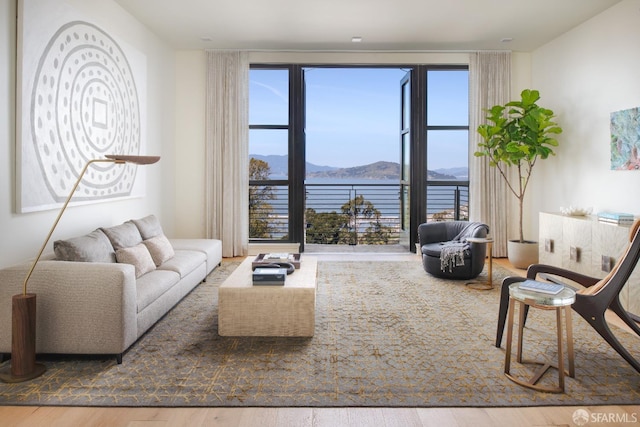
(544, 287)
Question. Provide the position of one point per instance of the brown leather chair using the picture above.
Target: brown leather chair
(594, 299)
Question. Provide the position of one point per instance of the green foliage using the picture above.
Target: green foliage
(325, 228)
(259, 196)
(342, 228)
(517, 135)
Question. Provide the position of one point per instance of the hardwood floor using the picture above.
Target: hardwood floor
(311, 417)
(318, 417)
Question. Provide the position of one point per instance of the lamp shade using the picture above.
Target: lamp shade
(138, 160)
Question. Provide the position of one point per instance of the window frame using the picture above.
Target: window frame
(418, 144)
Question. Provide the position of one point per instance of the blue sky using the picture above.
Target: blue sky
(353, 115)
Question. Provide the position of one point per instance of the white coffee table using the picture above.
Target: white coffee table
(280, 311)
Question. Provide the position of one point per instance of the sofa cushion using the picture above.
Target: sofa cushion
(160, 249)
(212, 248)
(123, 236)
(92, 247)
(149, 226)
(153, 285)
(184, 262)
(138, 256)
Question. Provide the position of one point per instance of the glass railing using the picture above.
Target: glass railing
(349, 214)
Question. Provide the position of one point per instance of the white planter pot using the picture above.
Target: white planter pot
(522, 255)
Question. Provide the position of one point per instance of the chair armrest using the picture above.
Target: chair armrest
(582, 279)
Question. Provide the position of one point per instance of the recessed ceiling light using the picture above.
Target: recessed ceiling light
(356, 39)
(506, 39)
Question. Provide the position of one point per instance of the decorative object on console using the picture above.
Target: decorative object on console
(575, 211)
(518, 134)
(23, 323)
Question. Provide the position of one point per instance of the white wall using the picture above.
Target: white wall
(584, 75)
(22, 234)
(189, 150)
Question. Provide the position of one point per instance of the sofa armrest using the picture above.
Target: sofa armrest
(82, 307)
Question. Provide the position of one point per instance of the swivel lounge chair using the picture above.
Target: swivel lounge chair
(594, 299)
(446, 252)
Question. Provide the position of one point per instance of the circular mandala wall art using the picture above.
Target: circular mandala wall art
(84, 105)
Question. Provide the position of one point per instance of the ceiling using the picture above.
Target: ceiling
(390, 25)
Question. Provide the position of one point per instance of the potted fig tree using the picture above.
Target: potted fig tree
(517, 135)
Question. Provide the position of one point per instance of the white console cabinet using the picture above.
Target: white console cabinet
(585, 245)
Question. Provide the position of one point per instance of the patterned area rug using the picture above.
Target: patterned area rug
(387, 334)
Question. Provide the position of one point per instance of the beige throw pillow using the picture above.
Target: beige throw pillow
(138, 256)
(160, 249)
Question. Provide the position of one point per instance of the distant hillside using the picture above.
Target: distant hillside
(377, 170)
(461, 173)
(279, 165)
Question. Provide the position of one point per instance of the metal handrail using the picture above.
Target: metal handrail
(447, 200)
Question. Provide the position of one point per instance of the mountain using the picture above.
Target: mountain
(279, 165)
(461, 173)
(378, 170)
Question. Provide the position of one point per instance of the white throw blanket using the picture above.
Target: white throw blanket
(452, 255)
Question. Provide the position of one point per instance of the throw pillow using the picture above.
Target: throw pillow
(160, 249)
(138, 256)
(149, 226)
(92, 247)
(123, 236)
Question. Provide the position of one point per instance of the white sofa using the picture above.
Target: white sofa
(100, 292)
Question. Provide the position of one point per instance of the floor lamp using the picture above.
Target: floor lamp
(23, 306)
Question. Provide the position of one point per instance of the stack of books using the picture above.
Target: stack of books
(269, 276)
(616, 218)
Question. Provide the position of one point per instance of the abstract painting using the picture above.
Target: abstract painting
(81, 95)
(625, 139)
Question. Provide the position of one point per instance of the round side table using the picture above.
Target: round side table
(559, 302)
(478, 284)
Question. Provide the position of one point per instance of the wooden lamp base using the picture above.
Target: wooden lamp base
(23, 341)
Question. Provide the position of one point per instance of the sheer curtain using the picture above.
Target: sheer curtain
(227, 151)
(490, 199)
